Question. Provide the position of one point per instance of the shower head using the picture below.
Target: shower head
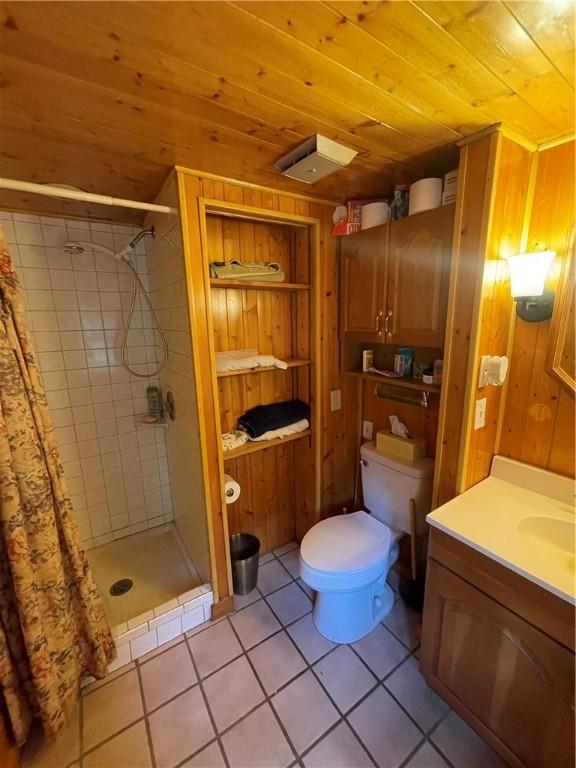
(79, 246)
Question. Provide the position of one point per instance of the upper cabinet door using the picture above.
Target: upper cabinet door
(418, 273)
(363, 273)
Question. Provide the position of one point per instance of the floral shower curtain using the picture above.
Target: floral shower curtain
(53, 630)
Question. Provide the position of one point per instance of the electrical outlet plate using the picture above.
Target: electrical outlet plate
(367, 429)
(335, 399)
(480, 413)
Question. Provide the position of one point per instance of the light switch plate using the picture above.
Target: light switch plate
(367, 430)
(335, 399)
(480, 413)
(483, 371)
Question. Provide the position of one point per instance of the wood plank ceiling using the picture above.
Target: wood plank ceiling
(107, 96)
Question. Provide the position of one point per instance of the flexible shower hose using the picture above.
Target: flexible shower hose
(124, 352)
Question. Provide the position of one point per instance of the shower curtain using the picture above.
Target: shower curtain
(53, 630)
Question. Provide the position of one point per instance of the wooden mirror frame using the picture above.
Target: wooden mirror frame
(560, 319)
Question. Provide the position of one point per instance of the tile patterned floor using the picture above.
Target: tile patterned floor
(262, 688)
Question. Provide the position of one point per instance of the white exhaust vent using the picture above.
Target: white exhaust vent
(316, 158)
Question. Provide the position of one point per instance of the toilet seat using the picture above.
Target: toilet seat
(344, 552)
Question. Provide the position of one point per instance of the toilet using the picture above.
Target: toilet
(346, 559)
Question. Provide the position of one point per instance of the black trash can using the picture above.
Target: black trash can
(244, 549)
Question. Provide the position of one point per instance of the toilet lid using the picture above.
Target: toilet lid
(345, 543)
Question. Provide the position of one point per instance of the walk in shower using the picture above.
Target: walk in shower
(107, 309)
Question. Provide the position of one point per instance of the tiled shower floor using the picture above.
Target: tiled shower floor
(156, 562)
(262, 687)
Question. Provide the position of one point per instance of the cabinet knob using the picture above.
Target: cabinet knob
(379, 316)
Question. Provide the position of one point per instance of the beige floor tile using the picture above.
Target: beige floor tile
(384, 729)
(412, 691)
(426, 757)
(167, 675)
(132, 742)
(286, 548)
(255, 623)
(305, 710)
(289, 603)
(153, 560)
(276, 661)
(241, 601)
(109, 709)
(232, 692)
(381, 651)
(462, 746)
(291, 562)
(257, 742)
(339, 749)
(41, 753)
(272, 576)
(210, 757)
(344, 676)
(180, 728)
(309, 591)
(405, 623)
(311, 643)
(214, 648)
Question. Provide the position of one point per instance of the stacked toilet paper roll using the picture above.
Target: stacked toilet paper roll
(374, 214)
(424, 195)
(231, 489)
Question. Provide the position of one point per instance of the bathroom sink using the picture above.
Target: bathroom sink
(552, 533)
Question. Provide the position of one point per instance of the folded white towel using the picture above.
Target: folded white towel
(236, 360)
(289, 429)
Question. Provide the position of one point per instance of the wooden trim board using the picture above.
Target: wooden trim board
(259, 187)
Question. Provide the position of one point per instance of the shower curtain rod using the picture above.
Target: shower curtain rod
(49, 190)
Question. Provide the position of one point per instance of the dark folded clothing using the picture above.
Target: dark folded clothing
(264, 418)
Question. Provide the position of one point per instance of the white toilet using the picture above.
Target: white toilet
(346, 559)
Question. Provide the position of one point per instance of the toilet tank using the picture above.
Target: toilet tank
(388, 484)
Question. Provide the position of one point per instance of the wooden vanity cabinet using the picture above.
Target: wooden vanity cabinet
(499, 649)
(395, 280)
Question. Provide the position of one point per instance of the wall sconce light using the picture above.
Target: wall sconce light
(527, 277)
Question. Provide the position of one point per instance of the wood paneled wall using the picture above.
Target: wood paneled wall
(338, 428)
(505, 226)
(538, 417)
(510, 200)
(475, 180)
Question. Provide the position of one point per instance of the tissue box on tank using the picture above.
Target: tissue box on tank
(407, 448)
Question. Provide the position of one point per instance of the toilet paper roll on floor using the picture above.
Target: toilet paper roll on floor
(231, 489)
(424, 195)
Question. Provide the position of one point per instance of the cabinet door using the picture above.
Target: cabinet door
(507, 678)
(418, 272)
(363, 270)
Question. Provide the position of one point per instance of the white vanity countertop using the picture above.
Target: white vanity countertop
(523, 518)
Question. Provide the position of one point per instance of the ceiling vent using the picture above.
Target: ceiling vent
(316, 158)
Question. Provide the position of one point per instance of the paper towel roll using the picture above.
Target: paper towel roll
(374, 214)
(424, 195)
(231, 489)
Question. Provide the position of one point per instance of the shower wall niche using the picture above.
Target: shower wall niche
(116, 470)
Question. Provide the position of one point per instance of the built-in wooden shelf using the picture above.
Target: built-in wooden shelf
(405, 383)
(260, 285)
(292, 363)
(251, 447)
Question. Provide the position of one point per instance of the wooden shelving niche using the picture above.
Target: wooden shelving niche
(277, 477)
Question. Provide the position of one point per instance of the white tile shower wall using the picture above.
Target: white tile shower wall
(116, 472)
(169, 296)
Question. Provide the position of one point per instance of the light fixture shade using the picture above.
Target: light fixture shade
(528, 272)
